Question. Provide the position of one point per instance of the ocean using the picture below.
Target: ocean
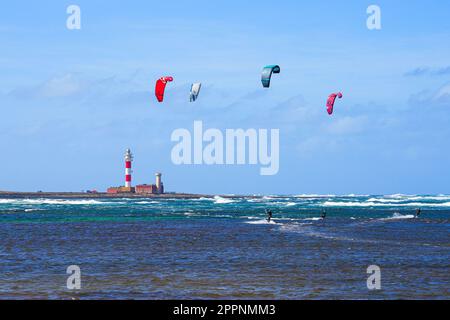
(223, 248)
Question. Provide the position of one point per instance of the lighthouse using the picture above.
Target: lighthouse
(157, 188)
(128, 161)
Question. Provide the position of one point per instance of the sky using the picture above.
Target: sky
(72, 101)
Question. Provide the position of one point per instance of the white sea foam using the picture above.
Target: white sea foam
(351, 204)
(284, 204)
(290, 204)
(398, 195)
(384, 204)
(398, 216)
(190, 214)
(289, 219)
(261, 222)
(147, 202)
(383, 200)
(315, 196)
(404, 197)
(220, 200)
(313, 219)
(397, 199)
(203, 199)
(433, 198)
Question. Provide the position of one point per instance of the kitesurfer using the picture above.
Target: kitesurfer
(418, 212)
(269, 215)
(324, 214)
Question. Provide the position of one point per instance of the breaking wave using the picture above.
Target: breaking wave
(220, 200)
(290, 204)
(384, 204)
(147, 202)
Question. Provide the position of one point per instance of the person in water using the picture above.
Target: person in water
(418, 212)
(324, 214)
(269, 215)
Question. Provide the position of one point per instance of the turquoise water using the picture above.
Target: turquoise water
(224, 248)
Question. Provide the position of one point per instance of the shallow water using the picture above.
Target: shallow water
(224, 248)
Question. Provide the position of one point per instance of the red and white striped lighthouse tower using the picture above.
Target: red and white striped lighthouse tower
(128, 160)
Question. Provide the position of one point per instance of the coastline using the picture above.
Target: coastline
(72, 195)
(168, 195)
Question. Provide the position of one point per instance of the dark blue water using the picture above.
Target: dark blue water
(224, 248)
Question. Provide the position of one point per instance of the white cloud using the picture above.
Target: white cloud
(443, 93)
(435, 97)
(348, 125)
(60, 86)
(64, 86)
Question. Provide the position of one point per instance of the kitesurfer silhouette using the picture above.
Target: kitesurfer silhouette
(269, 215)
(418, 212)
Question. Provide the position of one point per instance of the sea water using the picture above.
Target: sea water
(213, 248)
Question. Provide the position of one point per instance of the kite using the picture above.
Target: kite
(195, 91)
(330, 102)
(267, 74)
(161, 87)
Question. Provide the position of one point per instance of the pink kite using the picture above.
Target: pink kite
(331, 100)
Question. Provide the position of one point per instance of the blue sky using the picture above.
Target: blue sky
(73, 101)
